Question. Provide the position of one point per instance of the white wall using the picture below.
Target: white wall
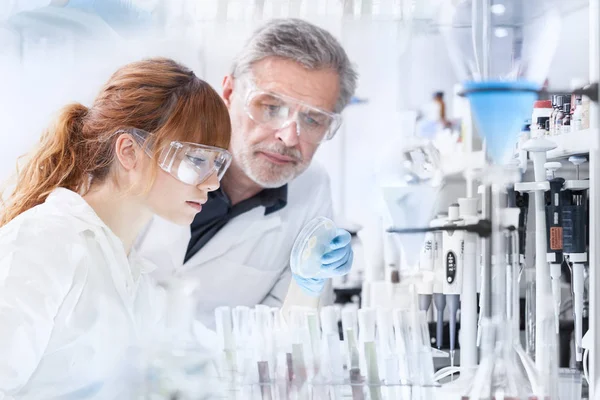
(572, 54)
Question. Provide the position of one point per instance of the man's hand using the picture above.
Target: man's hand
(337, 261)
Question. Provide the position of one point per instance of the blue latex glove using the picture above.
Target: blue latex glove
(337, 261)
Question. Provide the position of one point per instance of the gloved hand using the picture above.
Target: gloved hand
(336, 261)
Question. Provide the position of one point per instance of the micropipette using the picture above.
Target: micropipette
(439, 300)
(453, 250)
(468, 316)
(439, 276)
(426, 265)
(554, 236)
(574, 247)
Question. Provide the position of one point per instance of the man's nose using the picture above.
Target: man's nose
(289, 134)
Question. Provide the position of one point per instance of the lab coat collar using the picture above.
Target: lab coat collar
(124, 269)
(67, 202)
(231, 236)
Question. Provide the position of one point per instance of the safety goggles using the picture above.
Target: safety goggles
(189, 163)
(277, 111)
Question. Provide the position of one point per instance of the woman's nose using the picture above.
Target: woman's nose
(211, 183)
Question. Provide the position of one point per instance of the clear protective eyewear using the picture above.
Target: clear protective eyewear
(277, 111)
(189, 163)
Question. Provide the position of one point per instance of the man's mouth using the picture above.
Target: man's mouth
(277, 158)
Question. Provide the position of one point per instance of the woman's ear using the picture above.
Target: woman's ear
(126, 150)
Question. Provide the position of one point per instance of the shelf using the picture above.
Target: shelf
(572, 143)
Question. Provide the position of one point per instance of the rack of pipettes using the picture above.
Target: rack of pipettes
(380, 354)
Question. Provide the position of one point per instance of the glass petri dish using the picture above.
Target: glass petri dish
(312, 242)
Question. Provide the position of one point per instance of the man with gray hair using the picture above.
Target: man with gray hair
(285, 93)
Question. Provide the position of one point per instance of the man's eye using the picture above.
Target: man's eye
(312, 121)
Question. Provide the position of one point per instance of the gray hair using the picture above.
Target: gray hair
(300, 41)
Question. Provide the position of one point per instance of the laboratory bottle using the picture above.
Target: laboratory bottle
(576, 118)
(558, 117)
(553, 114)
(542, 110)
(558, 102)
(566, 122)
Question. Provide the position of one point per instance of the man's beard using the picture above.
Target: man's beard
(267, 174)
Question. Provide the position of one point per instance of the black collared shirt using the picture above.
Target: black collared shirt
(217, 211)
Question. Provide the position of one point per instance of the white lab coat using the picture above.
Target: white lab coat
(247, 261)
(72, 304)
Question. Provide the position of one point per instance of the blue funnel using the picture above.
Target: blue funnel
(499, 109)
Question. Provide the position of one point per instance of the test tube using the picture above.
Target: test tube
(353, 350)
(350, 330)
(329, 326)
(356, 383)
(282, 344)
(391, 374)
(315, 340)
(329, 320)
(290, 366)
(264, 380)
(385, 343)
(405, 347)
(372, 370)
(224, 327)
(425, 357)
(336, 366)
(335, 357)
(366, 332)
(264, 338)
(241, 334)
(298, 364)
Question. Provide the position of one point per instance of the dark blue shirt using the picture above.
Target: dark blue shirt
(217, 211)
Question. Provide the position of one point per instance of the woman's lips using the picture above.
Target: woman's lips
(195, 205)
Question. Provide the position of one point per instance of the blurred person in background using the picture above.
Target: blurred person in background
(285, 93)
